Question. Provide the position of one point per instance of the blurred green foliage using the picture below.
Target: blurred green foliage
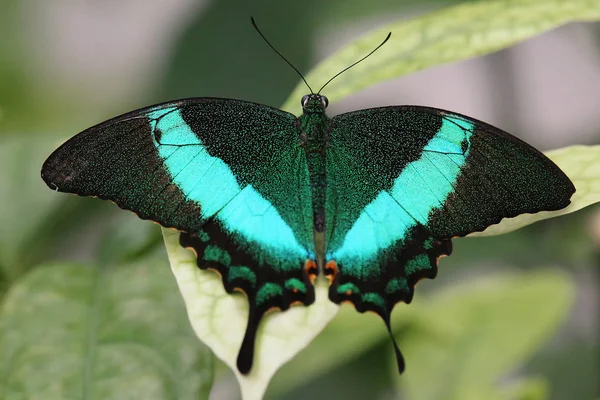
(79, 277)
(91, 331)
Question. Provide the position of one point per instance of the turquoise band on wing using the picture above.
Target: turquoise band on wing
(197, 174)
(422, 187)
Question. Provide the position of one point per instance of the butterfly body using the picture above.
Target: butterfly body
(370, 198)
(315, 126)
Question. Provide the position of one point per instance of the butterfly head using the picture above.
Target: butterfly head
(314, 103)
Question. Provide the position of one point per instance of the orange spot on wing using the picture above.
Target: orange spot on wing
(331, 270)
(311, 270)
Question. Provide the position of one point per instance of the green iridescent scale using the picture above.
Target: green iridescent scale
(370, 198)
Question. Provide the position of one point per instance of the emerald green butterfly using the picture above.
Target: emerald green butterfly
(370, 198)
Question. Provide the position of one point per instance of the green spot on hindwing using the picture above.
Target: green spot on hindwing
(295, 283)
(428, 244)
(374, 298)
(396, 285)
(241, 272)
(217, 254)
(267, 292)
(202, 235)
(348, 288)
(419, 263)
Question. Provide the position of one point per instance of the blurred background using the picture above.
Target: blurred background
(65, 66)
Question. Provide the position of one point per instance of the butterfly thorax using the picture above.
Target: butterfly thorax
(315, 125)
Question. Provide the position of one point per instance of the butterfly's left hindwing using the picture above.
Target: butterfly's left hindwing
(402, 181)
(229, 174)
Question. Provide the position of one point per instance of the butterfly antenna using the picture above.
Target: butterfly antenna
(279, 54)
(362, 59)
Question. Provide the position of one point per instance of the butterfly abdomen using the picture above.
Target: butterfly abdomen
(314, 134)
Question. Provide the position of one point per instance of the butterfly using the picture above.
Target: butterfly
(370, 198)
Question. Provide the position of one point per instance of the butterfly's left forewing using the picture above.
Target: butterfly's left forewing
(229, 174)
(402, 181)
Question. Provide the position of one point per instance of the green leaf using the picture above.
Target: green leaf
(128, 238)
(26, 201)
(451, 34)
(71, 332)
(219, 320)
(472, 334)
(571, 364)
(17, 89)
(348, 336)
(582, 166)
(536, 388)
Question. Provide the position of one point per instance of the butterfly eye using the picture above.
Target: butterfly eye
(304, 100)
(324, 101)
